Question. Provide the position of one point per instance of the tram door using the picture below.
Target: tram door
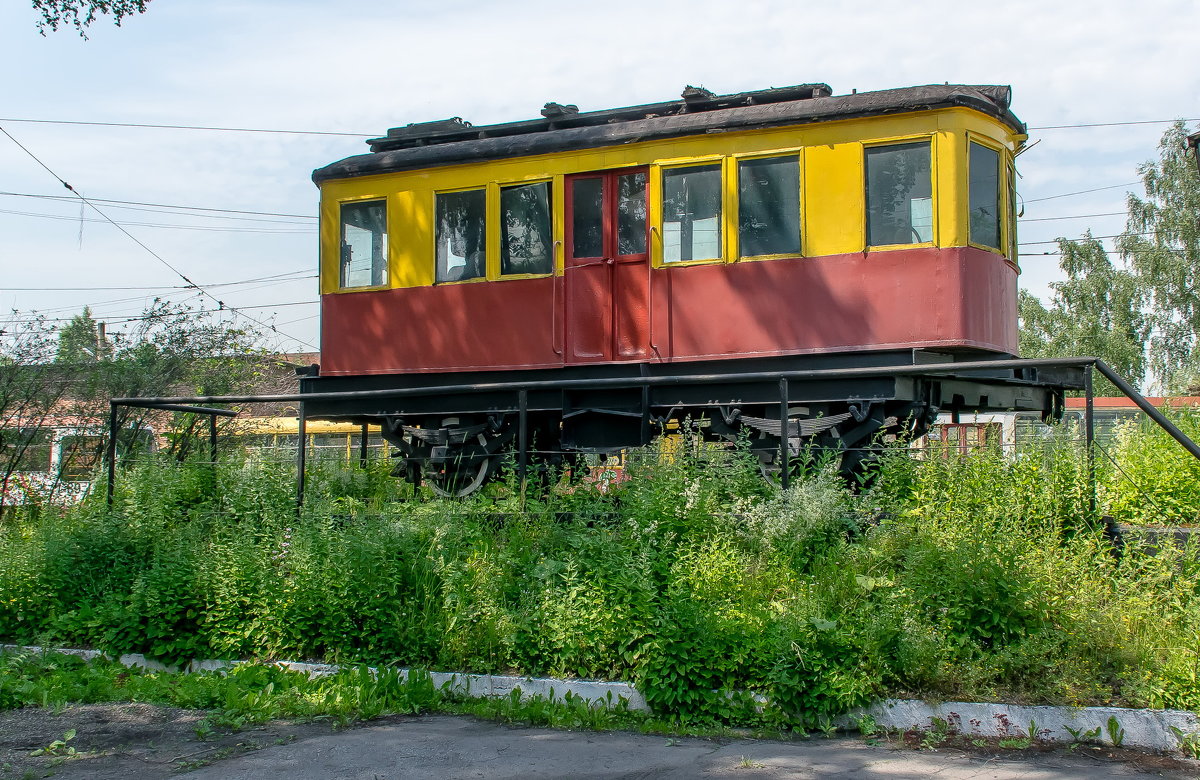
(607, 272)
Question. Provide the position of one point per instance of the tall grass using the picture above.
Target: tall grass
(974, 577)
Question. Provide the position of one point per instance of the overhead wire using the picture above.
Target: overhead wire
(221, 304)
(214, 128)
(130, 203)
(172, 287)
(187, 127)
(172, 226)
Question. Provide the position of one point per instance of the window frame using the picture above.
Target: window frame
(1002, 195)
(553, 189)
(735, 237)
(935, 228)
(1012, 250)
(657, 213)
(487, 213)
(492, 231)
(387, 244)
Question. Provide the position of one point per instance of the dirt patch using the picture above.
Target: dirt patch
(126, 741)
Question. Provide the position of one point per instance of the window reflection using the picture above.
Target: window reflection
(769, 206)
(587, 218)
(692, 214)
(364, 244)
(899, 194)
(525, 243)
(983, 192)
(631, 214)
(461, 243)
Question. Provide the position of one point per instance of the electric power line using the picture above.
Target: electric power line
(171, 226)
(187, 127)
(213, 128)
(1082, 192)
(1113, 124)
(160, 205)
(169, 287)
(140, 243)
(1075, 216)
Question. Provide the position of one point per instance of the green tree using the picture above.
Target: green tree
(1097, 311)
(1161, 245)
(81, 13)
(81, 340)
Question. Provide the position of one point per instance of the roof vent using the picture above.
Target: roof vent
(552, 110)
(692, 94)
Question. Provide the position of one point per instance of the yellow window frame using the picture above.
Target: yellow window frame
(491, 228)
(334, 265)
(735, 197)
(1004, 162)
(489, 251)
(657, 249)
(935, 227)
(556, 228)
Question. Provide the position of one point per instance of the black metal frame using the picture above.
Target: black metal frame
(1075, 372)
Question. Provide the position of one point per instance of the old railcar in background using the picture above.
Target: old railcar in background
(567, 270)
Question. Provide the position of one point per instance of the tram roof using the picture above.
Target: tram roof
(698, 111)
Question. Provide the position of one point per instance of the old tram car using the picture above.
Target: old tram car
(731, 236)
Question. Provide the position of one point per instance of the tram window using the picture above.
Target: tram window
(769, 206)
(525, 242)
(27, 449)
(80, 456)
(692, 214)
(587, 218)
(364, 244)
(1012, 212)
(631, 213)
(983, 194)
(461, 245)
(899, 194)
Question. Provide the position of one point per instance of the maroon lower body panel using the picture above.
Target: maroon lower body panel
(931, 298)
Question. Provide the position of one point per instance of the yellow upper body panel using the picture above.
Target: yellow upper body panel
(831, 157)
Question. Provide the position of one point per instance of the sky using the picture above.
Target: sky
(353, 70)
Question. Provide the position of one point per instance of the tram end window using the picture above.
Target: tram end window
(769, 206)
(984, 196)
(526, 243)
(691, 214)
(899, 194)
(364, 242)
(461, 235)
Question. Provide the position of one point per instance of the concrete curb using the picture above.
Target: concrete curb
(1145, 729)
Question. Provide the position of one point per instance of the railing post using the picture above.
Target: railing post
(1089, 436)
(302, 444)
(785, 466)
(362, 447)
(111, 454)
(212, 439)
(522, 437)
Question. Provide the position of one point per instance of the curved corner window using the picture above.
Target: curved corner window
(1012, 212)
(769, 206)
(364, 244)
(461, 235)
(525, 242)
(691, 214)
(983, 194)
(899, 194)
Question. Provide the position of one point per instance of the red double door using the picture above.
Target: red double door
(607, 270)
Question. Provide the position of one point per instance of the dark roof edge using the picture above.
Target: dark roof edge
(990, 100)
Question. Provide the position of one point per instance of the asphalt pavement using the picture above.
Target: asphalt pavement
(459, 747)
